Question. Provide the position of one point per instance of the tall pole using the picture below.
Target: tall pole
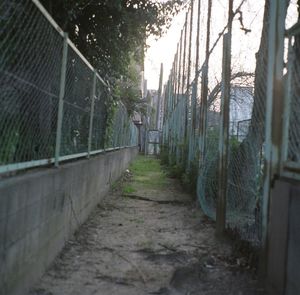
(189, 103)
(184, 76)
(158, 108)
(192, 150)
(159, 94)
(274, 106)
(224, 127)
(204, 90)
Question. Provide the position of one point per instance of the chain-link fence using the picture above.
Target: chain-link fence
(291, 144)
(193, 132)
(53, 104)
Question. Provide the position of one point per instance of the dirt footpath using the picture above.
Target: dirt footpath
(147, 237)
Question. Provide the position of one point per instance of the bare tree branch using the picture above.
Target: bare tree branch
(217, 89)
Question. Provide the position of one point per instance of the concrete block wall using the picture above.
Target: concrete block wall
(40, 210)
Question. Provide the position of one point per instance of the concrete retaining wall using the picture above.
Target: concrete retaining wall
(40, 210)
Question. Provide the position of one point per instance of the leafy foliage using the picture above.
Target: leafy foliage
(127, 88)
(112, 35)
(110, 32)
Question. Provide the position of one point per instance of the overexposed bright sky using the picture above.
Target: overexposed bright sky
(244, 46)
(162, 51)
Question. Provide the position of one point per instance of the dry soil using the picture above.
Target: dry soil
(148, 237)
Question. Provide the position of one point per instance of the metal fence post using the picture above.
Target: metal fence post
(189, 140)
(190, 47)
(159, 98)
(224, 138)
(191, 149)
(178, 80)
(61, 99)
(195, 89)
(175, 94)
(92, 113)
(287, 104)
(204, 91)
(224, 127)
(273, 122)
(184, 77)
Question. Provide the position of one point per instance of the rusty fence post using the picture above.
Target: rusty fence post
(224, 128)
(204, 91)
(224, 138)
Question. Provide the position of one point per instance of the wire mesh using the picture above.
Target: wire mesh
(195, 105)
(122, 132)
(208, 181)
(244, 181)
(31, 53)
(247, 114)
(77, 105)
(294, 99)
(31, 50)
(100, 116)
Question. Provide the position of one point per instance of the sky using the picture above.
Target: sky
(162, 51)
(244, 46)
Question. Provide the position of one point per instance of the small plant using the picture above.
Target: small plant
(189, 178)
(175, 166)
(234, 144)
(114, 185)
(147, 172)
(164, 155)
(128, 189)
(175, 171)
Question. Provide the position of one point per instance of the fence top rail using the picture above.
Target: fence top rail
(62, 33)
(48, 17)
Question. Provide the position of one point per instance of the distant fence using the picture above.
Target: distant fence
(218, 106)
(53, 103)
